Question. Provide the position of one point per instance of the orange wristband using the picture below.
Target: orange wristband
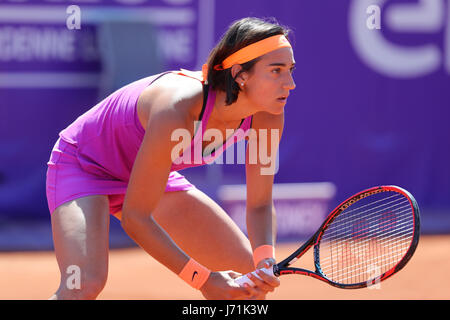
(263, 252)
(194, 274)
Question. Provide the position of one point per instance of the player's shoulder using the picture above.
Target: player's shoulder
(176, 89)
(172, 98)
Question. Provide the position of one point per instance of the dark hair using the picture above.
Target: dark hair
(240, 34)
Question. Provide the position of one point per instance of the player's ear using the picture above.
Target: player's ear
(238, 74)
(235, 69)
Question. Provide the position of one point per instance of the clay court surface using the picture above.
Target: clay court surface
(135, 275)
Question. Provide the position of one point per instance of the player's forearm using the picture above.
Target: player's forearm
(261, 225)
(155, 241)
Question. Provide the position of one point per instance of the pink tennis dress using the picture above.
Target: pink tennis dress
(95, 154)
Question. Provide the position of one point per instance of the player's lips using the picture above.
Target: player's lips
(283, 98)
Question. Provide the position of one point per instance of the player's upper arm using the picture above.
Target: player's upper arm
(152, 165)
(261, 158)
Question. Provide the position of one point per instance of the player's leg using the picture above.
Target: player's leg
(204, 231)
(81, 240)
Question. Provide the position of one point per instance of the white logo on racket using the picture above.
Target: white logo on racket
(374, 274)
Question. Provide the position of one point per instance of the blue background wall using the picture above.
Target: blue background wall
(371, 106)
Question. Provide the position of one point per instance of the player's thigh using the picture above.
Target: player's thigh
(81, 237)
(202, 229)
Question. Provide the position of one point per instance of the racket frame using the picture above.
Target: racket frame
(284, 268)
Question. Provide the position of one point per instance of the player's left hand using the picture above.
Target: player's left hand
(265, 283)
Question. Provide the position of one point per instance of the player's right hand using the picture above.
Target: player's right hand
(221, 286)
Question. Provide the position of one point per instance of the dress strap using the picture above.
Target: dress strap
(208, 108)
(198, 75)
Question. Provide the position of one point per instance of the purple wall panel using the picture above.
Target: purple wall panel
(354, 119)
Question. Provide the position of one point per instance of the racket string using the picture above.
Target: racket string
(372, 203)
(358, 266)
(404, 220)
(361, 265)
(373, 239)
(366, 218)
(336, 226)
(324, 266)
(364, 272)
(367, 225)
(345, 216)
(360, 270)
(339, 249)
(355, 254)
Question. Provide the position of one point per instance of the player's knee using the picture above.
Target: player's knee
(88, 291)
(92, 287)
(88, 288)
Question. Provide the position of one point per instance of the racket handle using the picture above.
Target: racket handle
(245, 279)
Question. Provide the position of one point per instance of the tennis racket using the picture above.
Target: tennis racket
(366, 239)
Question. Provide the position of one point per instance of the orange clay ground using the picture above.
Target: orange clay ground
(135, 275)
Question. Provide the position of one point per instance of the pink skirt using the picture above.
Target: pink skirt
(66, 180)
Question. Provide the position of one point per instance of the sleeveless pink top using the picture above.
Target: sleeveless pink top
(109, 135)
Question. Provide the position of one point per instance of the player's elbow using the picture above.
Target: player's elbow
(125, 222)
(129, 222)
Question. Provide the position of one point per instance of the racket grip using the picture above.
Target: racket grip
(245, 279)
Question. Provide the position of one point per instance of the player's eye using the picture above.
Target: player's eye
(291, 70)
(276, 70)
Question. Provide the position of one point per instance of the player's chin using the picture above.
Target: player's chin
(276, 109)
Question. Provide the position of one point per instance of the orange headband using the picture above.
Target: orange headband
(254, 50)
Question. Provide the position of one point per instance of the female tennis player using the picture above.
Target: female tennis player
(118, 158)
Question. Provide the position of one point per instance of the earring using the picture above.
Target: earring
(242, 84)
